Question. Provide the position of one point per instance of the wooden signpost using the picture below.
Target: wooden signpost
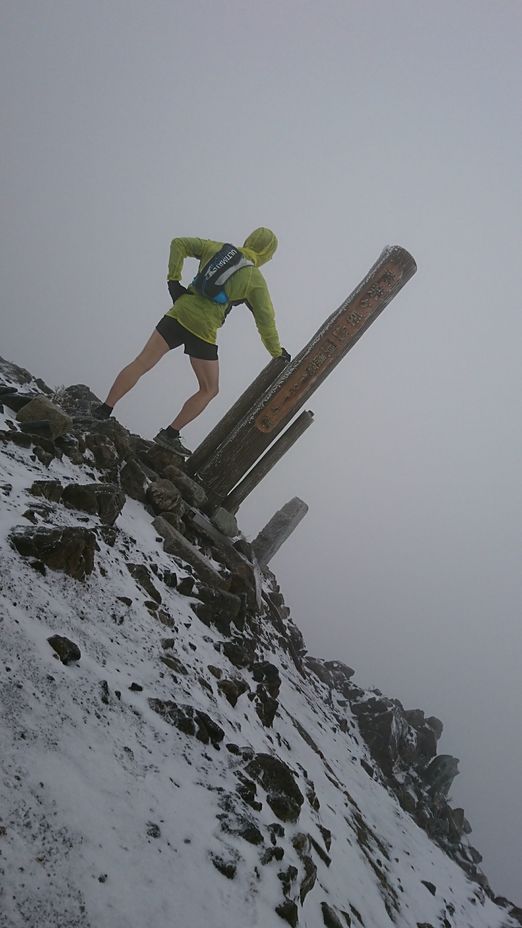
(256, 429)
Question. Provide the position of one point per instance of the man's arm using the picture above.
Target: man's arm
(181, 248)
(258, 300)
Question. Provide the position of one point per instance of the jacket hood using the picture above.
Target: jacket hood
(260, 246)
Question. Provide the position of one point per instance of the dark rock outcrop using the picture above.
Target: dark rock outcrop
(189, 720)
(102, 499)
(69, 549)
(67, 650)
(282, 792)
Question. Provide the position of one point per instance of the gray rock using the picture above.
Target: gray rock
(110, 501)
(173, 663)
(103, 449)
(77, 400)
(266, 706)
(189, 720)
(141, 574)
(112, 429)
(41, 408)
(159, 459)
(69, 549)
(330, 917)
(225, 522)
(440, 773)
(227, 867)
(436, 725)
(48, 489)
(232, 689)
(308, 881)
(17, 401)
(177, 545)
(102, 499)
(218, 608)
(282, 792)
(165, 497)
(288, 911)
(429, 886)
(191, 491)
(240, 653)
(67, 650)
(288, 877)
(19, 375)
(134, 480)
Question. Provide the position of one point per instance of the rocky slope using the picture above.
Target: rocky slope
(171, 755)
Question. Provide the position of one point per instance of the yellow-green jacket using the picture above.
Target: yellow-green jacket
(202, 316)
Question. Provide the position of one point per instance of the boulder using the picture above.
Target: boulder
(288, 911)
(165, 497)
(113, 430)
(77, 400)
(225, 522)
(103, 449)
(69, 549)
(192, 492)
(67, 650)
(436, 725)
(330, 917)
(102, 499)
(282, 792)
(440, 773)
(159, 459)
(134, 480)
(41, 408)
(232, 689)
(48, 489)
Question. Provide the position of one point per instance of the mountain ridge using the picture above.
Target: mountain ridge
(194, 765)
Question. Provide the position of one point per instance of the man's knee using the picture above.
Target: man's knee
(209, 392)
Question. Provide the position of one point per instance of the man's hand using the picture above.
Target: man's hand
(284, 354)
(176, 289)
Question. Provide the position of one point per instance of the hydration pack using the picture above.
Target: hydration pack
(211, 279)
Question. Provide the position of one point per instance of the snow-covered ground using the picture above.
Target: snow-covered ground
(109, 814)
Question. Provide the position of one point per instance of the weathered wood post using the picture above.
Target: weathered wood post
(236, 412)
(276, 532)
(257, 429)
(265, 464)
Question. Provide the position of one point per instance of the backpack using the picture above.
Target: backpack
(211, 279)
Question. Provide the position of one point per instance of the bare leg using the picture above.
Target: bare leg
(153, 351)
(207, 373)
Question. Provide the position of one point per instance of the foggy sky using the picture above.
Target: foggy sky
(344, 126)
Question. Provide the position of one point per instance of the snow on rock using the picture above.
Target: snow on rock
(169, 753)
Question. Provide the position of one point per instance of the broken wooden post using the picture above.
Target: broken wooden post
(276, 532)
(236, 412)
(265, 464)
(252, 434)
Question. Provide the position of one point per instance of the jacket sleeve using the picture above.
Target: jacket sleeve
(258, 300)
(181, 248)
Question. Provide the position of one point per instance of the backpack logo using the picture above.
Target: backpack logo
(210, 280)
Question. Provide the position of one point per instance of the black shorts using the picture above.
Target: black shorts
(175, 335)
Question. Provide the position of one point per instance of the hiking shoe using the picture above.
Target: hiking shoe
(102, 412)
(166, 439)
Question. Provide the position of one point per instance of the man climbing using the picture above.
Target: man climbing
(227, 276)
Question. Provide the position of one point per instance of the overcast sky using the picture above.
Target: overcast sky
(344, 126)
